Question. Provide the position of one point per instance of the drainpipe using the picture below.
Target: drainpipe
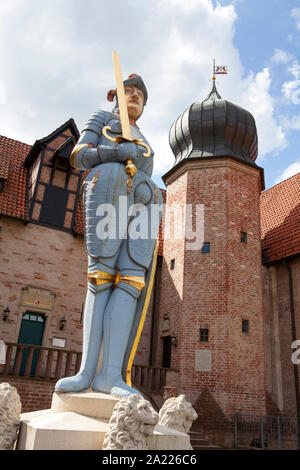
(294, 337)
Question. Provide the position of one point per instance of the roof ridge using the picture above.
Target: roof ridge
(280, 182)
(15, 140)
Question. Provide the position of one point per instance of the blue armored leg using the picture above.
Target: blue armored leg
(99, 290)
(118, 318)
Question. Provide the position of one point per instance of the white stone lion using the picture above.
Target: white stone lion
(10, 409)
(133, 419)
(177, 413)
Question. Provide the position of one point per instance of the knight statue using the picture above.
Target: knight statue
(119, 265)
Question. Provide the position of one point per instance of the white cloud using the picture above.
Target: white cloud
(292, 123)
(2, 93)
(257, 99)
(291, 88)
(64, 70)
(281, 56)
(291, 170)
(295, 13)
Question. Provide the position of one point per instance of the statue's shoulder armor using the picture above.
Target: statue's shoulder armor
(97, 121)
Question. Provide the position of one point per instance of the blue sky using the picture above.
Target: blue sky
(267, 34)
(56, 63)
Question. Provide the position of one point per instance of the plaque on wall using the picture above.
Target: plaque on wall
(38, 298)
(166, 322)
(59, 342)
(203, 360)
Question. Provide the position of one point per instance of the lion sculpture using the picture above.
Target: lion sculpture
(132, 420)
(177, 413)
(10, 409)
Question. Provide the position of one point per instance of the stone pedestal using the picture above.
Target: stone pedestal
(76, 421)
(79, 421)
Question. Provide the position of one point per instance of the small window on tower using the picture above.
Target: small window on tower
(172, 266)
(2, 181)
(206, 248)
(245, 326)
(204, 335)
(243, 237)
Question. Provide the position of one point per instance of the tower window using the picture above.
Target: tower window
(245, 326)
(1, 184)
(166, 362)
(243, 237)
(172, 266)
(204, 335)
(206, 248)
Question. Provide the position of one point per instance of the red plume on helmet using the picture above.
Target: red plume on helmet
(111, 95)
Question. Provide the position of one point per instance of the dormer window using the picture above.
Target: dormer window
(53, 185)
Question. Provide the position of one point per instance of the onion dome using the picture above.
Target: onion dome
(214, 128)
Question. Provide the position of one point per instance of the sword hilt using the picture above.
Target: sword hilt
(119, 138)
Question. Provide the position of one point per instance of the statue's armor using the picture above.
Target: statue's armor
(120, 266)
(111, 183)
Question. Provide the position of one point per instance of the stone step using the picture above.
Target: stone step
(206, 447)
(49, 430)
(199, 441)
(87, 403)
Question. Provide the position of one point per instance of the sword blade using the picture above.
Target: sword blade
(126, 132)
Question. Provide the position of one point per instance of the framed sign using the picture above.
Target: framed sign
(59, 342)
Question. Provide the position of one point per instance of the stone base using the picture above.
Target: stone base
(168, 439)
(79, 421)
(75, 421)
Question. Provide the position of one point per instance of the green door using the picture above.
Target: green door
(31, 332)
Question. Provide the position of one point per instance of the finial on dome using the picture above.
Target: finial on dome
(220, 69)
(214, 70)
(213, 95)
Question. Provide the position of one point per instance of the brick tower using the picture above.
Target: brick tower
(212, 295)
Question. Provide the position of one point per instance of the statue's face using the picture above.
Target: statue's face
(135, 102)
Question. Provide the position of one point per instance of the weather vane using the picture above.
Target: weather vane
(219, 69)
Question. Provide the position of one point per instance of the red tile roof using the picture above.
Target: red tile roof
(4, 165)
(280, 219)
(13, 197)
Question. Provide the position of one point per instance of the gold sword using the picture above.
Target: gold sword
(126, 131)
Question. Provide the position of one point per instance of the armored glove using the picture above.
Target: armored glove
(127, 151)
(89, 157)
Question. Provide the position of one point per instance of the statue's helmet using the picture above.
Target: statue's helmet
(132, 80)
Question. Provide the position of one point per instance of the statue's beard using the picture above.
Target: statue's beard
(133, 113)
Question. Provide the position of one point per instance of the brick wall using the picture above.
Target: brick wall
(280, 373)
(218, 290)
(34, 394)
(43, 258)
